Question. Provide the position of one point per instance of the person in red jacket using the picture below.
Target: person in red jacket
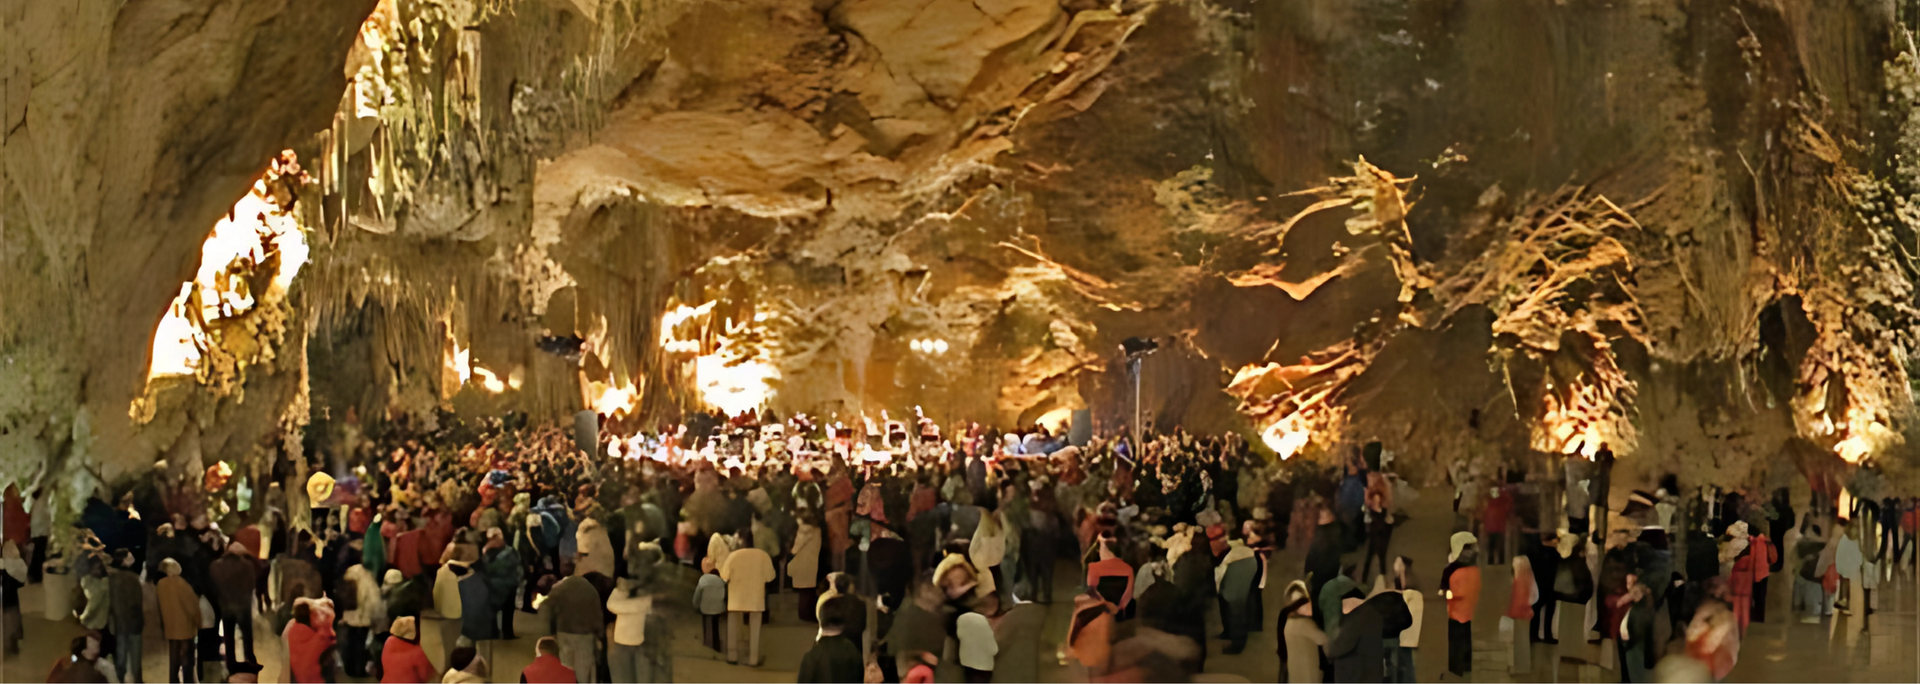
(402, 661)
(406, 550)
(307, 636)
(1493, 518)
(546, 668)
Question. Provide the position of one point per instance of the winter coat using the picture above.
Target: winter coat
(234, 578)
(710, 595)
(630, 611)
(1359, 651)
(127, 613)
(404, 662)
(804, 566)
(179, 609)
(477, 617)
(547, 669)
(573, 607)
(747, 573)
(594, 549)
(446, 590)
(305, 644)
(503, 571)
(1303, 641)
(369, 608)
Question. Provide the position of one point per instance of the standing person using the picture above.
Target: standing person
(989, 545)
(1460, 586)
(834, 657)
(1494, 517)
(99, 594)
(1235, 577)
(369, 609)
(13, 577)
(446, 603)
(804, 566)
(710, 599)
(1636, 631)
(127, 617)
(1806, 575)
(1520, 602)
(1301, 640)
(478, 622)
(1323, 553)
(1359, 652)
(502, 567)
(402, 660)
(977, 645)
(747, 571)
(235, 577)
(626, 660)
(546, 667)
(179, 621)
(572, 613)
(594, 547)
(307, 638)
(1379, 522)
(1400, 655)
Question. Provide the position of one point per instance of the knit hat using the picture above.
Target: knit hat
(1459, 542)
(394, 578)
(403, 628)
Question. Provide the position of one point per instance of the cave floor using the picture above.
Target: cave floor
(1779, 650)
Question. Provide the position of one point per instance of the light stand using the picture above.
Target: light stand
(1135, 349)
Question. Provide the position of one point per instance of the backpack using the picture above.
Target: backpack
(1573, 583)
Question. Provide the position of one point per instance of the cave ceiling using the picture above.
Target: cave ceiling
(1474, 230)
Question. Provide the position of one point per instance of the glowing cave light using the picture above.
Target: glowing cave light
(614, 400)
(252, 230)
(1286, 438)
(489, 381)
(734, 387)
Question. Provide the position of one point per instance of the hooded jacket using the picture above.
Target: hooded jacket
(503, 571)
(402, 661)
(476, 606)
(235, 576)
(595, 549)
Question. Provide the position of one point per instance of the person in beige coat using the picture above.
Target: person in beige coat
(596, 549)
(803, 566)
(179, 621)
(746, 572)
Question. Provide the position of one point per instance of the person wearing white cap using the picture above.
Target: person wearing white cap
(1460, 586)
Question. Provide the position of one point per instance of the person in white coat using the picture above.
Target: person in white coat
(446, 602)
(803, 566)
(369, 610)
(747, 571)
(988, 549)
(626, 660)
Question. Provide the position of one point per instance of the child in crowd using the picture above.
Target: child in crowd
(710, 598)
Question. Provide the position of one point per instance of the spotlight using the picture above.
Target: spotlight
(939, 346)
(917, 348)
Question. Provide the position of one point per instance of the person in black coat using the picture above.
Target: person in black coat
(1323, 556)
(834, 657)
(1359, 649)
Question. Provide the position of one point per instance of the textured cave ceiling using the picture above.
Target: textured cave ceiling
(1472, 228)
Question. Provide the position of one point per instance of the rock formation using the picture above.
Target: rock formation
(1471, 229)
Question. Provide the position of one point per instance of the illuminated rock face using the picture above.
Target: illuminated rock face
(1680, 228)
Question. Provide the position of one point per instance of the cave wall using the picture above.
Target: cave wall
(1031, 181)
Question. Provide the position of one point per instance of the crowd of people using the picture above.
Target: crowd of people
(921, 556)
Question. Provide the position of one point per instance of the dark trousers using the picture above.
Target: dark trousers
(1037, 565)
(353, 650)
(977, 676)
(808, 597)
(712, 630)
(238, 627)
(1459, 647)
(1541, 629)
(180, 662)
(1759, 612)
(1234, 619)
(506, 621)
(1496, 548)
